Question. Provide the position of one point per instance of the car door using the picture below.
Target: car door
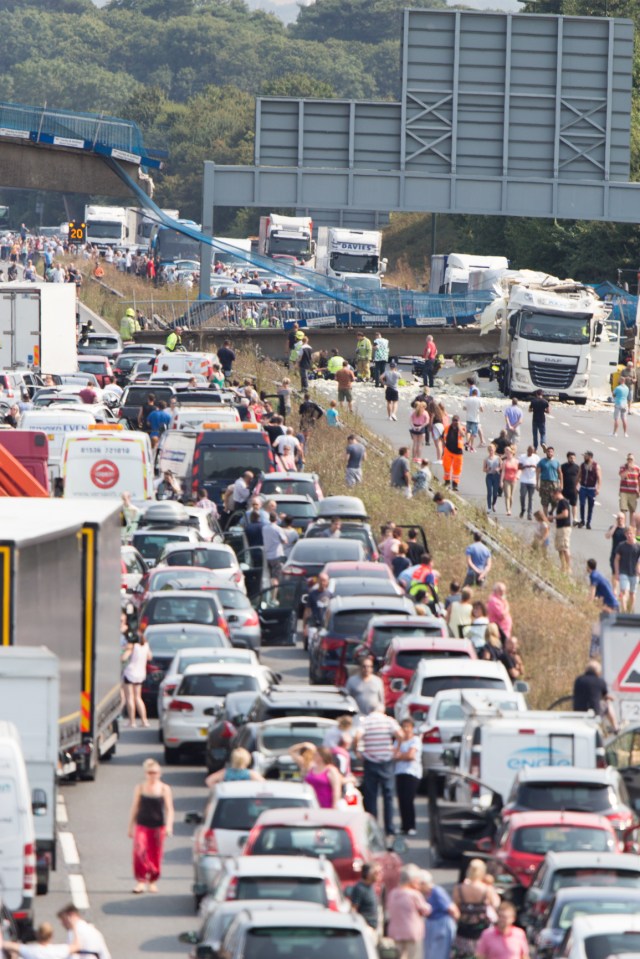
(623, 753)
(455, 828)
(277, 609)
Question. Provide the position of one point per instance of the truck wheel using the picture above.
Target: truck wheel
(580, 401)
(110, 753)
(171, 756)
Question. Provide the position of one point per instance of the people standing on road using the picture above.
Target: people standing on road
(476, 900)
(627, 568)
(548, 479)
(366, 688)
(429, 355)
(136, 657)
(274, 540)
(89, 940)
(364, 352)
(408, 768)
(374, 740)
(527, 464)
(499, 611)
(617, 534)
(319, 771)
(406, 911)
(508, 476)
(563, 529)
(601, 588)
(236, 771)
(513, 420)
(570, 472)
(42, 948)
(401, 472)
(150, 822)
(460, 614)
(590, 692)
(441, 921)
(478, 562)
(391, 378)
(629, 487)
(589, 481)
(437, 423)
(345, 378)
(452, 454)
(539, 407)
(380, 357)
(473, 408)
(363, 896)
(318, 599)
(620, 407)
(418, 426)
(504, 939)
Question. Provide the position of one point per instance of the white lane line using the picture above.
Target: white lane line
(69, 848)
(580, 431)
(614, 449)
(596, 440)
(564, 424)
(78, 889)
(61, 812)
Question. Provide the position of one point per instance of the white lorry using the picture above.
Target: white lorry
(30, 694)
(140, 224)
(450, 271)
(555, 335)
(352, 256)
(106, 226)
(286, 238)
(38, 327)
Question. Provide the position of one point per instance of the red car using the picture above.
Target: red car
(404, 654)
(529, 836)
(349, 838)
(100, 366)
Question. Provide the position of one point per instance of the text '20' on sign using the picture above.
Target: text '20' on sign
(77, 231)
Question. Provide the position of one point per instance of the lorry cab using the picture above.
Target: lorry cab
(17, 831)
(31, 449)
(108, 462)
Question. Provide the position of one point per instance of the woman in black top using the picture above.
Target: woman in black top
(151, 820)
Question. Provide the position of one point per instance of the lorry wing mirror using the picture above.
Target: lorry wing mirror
(39, 802)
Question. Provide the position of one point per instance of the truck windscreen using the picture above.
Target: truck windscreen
(289, 245)
(171, 245)
(354, 263)
(551, 327)
(97, 230)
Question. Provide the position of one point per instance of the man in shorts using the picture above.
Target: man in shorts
(620, 406)
(473, 408)
(629, 487)
(570, 472)
(345, 378)
(626, 566)
(548, 479)
(563, 529)
(356, 454)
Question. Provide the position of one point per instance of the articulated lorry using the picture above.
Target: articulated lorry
(286, 238)
(38, 327)
(352, 256)
(555, 335)
(107, 226)
(60, 586)
(450, 272)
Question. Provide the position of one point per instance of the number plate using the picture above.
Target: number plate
(204, 730)
(630, 710)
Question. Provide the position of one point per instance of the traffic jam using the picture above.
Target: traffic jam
(163, 512)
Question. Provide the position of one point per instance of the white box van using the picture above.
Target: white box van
(108, 462)
(495, 746)
(56, 423)
(182, 362)
(17, 833)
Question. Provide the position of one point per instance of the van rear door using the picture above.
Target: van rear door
(12, 837)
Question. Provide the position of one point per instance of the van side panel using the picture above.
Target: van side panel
(16, 823)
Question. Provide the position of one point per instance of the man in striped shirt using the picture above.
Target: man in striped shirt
(374, 741)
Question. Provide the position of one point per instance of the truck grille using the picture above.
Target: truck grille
(552, 376)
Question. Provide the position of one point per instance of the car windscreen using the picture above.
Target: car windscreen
(301, 510)
(312, 943)
(194, 578)
(324, 551)
(351, 623)
(539, 840)
(289, 487)
(229, 462)
(89, 366)
(332, 842)
(365, 587)
(241, 812)
(323, 712)
(602, 906)
(150, 545)
(409, 659)
(434, 684)
(282, 887)
(382, 635)
(233, 599)
(170, 643)
(207, 684)
(280, 738)
(138, 395)
(104, 342)
(182, 609)
(612, 944)
(579, 797)
(207, 558)
(193, 659)
(593, 876)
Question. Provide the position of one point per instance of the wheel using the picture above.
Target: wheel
(171, 756)
(108, 756)
(580, 401)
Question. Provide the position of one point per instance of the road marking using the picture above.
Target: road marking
(564, 424)
(69, 848)
(614, 449)
(61, 812)
(596, 440)
(580, 431)
(78, 889)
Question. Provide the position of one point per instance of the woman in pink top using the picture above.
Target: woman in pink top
(318, 769)
(499, 612)
(407, 910)
(418, 424)
(509, 475)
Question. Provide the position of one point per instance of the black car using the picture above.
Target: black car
(309, 557)
(135, 397)
(302, 509)
(167, 639)
(223, 729)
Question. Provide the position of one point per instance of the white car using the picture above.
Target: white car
(192, 656)
(443, 730)
(217, 557)
(202, 690)
(433, 675)
(274, 737)
(592, 937)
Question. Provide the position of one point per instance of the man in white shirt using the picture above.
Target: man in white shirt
(473, 408)
(288, 439)
(82, 933)
(241, 490)
(42, 948)
(527, 466)
(274, 540)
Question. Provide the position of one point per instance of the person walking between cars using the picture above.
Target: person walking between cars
(316, 764)
(548, 479)
(137, 655)
(150, 822)
(539, 407)
(589, 480)
(441, 921)
(366, 688)
(408, 759)
(452, 454)
(406, 910)
(513, 419)
(363, 896)
(504, 940)
(374, 740)
(477, 901)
